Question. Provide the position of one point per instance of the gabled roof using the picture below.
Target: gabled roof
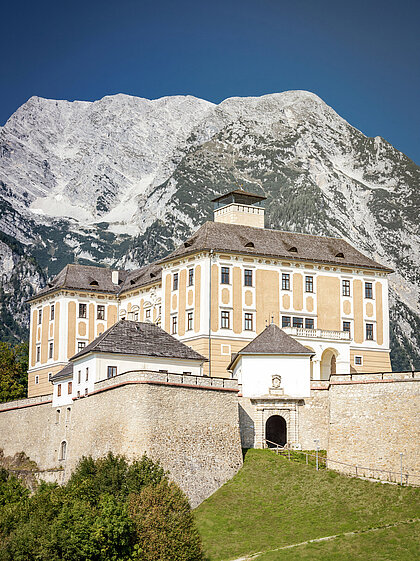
(140, 339)
(236, 238)
(272, 341)
(66, 372)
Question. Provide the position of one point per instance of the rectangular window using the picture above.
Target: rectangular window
(111, 371)
(225, 275)
(285, 281)
(59, 390)
(175, 281)
(50, 350)
(358, 361)
(248, 277)
(346, 287)
(248, 322)
(309, 323)
(297, 322)
(79, 376)
(78, 393)
(136, 316)
(69, 387)
(148, 314)
(190, 277)
(190, 321)
(286, 321)
(369, 332)
(225, 320)
(38, 354)
(82, 310)
(39, 317)
(100, 312)
(174, 325)
(86, 392)
(309, 284)
(368, 290)
(346, 326)
(87, 375)
(52, 311)
(80, 346)
(36, 379)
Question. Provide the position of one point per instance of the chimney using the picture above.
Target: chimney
(115, 277)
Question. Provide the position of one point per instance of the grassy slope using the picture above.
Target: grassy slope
(273, 502)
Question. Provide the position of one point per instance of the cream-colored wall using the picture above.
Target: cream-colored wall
(245, 215)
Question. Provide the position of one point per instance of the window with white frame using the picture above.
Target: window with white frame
(248, 277)
(38, 354)
(175, 281)
(174, 325)
(82, 310)
(37, 379)
(80, 346)
(39, 317)
(52, 312)
(190, 277)
(100, 311)
(346, 326)
(309, 323)
(286, 321)
(50, 350)
(225, 320)
(224, 275)
(248, 322)
(358, 360)
(111, 371)
(189, 321)
(285, 281)
(309, 284)
(345, 285)
(368, 290)
(369, 332)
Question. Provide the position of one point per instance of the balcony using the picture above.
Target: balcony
(317, 333)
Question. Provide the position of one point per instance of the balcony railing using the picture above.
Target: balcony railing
(317, 333)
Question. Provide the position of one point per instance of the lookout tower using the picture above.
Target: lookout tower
(240, 207)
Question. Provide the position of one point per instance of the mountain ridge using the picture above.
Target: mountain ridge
(122, 180)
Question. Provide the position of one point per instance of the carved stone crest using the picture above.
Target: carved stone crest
(276, 381)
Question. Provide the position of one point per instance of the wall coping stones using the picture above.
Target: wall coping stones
(28, 402)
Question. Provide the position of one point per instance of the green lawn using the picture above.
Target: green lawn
(273, 502)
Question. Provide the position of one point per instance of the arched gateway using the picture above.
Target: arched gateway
(276, 431)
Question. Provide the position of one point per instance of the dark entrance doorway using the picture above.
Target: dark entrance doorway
(276, 431)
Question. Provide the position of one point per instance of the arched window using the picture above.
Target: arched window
(293, 249)
(340, 255)
(63, 450)
(250, 244)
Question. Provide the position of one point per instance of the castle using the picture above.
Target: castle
(241, 336)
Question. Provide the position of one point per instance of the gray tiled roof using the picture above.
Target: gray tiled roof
(141, 277)
(273, 341)
(66, 372)
(236, 238)
(140, 339)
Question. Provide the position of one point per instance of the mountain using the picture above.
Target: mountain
(123, 180)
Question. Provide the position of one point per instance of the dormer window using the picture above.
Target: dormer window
(250, 244)
(94, 283)
(292, 249)
(340, 255)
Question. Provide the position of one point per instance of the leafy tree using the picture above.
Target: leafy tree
(13, 371)
(164, 525)
(99, 515)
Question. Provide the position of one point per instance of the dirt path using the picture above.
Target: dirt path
(326, 538)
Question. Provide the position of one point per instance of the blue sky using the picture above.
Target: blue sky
(361, 57)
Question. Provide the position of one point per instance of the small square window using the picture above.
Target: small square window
(174, 325)
(309, 323)
(225, 320)
(148, 313)
(225, 275)
(82, 310)
(368, 290)
(190, 277)
(80, 346)
(297, 322)
(100, 312)
(285, 281)
(286, 321)
(175, 281)
(111, 371)
(309, 284)
(358, 360)
(248, 277)
(346, 287)
(248, 322)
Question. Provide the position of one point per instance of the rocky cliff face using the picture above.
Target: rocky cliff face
(123, 180)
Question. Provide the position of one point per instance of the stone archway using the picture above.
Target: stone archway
(328, 363)
(276, 431)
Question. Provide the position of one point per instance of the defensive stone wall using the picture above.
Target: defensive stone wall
(373, 418)
(314, 418)
(189, 423)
